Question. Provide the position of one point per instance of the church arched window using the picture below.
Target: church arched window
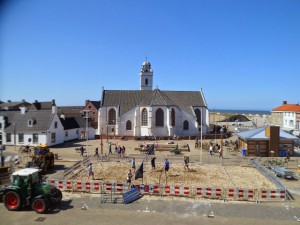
(198, 115)
(185, 125)
(144, 117)
(173, 117)
(159, 116)
(112, 117)
(146, 81)
(128, 125)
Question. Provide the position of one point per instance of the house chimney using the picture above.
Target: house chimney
(54, 108)
(23, 109)
(284, 102)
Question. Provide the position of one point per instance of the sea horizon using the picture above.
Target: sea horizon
(241, 111)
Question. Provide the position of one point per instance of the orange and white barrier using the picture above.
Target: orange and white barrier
(108, 187)
(272, 195)
(241, 194)
(63, 185)
(209, 192)
(167, 190)
(120, 187)
(87, 186)
(154, 189)
(144, 189)
(176, 190)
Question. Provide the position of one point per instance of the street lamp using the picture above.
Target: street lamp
(15, 135)
(101, 143)
(106, 132)
(86, 116)
(114, 130)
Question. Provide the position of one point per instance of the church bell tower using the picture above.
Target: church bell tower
(146, 76)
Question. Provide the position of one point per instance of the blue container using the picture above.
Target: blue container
(243, 152)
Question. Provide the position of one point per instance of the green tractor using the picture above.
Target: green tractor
(27, 189)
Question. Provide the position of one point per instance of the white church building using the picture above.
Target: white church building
(152, 112)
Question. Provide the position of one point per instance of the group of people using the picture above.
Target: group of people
(218, 147)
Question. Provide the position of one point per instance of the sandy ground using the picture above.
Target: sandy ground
(209, 175)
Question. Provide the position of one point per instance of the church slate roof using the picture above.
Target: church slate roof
(129, 99)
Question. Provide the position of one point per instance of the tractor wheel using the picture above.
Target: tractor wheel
(58, 197)
(39, 205)
(12, 201)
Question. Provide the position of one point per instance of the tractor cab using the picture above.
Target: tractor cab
(24, 176)
(41, 150)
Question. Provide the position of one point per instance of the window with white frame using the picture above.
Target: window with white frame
(21, 137)
(53, 137)
(8, 137)
(144, 117)
(35, 138)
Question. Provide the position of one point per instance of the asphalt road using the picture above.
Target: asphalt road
(155, 211)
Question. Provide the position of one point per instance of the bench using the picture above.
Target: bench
(78, 150)
(163, 148)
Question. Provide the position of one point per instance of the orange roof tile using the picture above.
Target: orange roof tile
(288, 108)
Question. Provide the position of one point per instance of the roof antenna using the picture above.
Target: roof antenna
(146, 57)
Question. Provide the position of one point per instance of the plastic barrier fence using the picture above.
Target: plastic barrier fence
(175, 190)
(62, 184)
(268, 195)
(87, 186)
(241, 194)
(209, 192)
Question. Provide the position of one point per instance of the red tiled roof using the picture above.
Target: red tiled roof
(288, 108)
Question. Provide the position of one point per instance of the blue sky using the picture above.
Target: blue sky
(244, 54)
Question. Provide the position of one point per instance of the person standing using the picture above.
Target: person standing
(153, 162)
(221, 152)
(186, 163)
(109, 150)
(96, 152)
(81, 150)
(133, 166)
(210, 150)
(90, 171)
(123, 151)
(129, 178)
(167, 166)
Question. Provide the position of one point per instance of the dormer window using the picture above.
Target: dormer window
(31, 122)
